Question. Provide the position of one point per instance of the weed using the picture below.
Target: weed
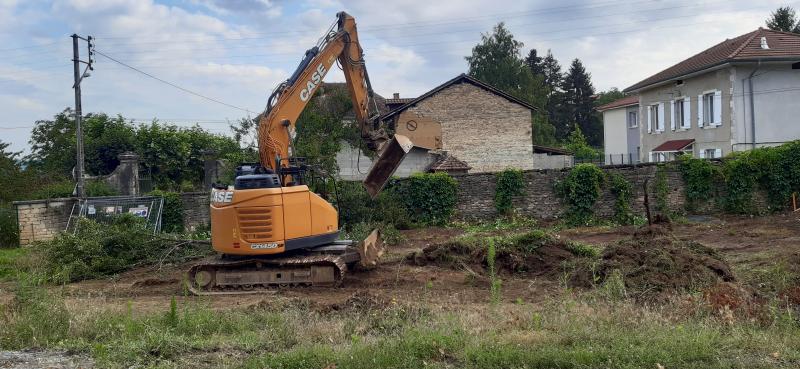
(35, 318)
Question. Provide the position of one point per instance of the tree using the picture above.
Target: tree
(497, 61)
(534, 63)
(53, 144)
(104, 139)
(784, 19)
(606, 97)
(578, 104)
(577, 145)
(9, 174)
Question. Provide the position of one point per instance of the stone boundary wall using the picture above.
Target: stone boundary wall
(196, 210)
(41, 220)
(476, 192)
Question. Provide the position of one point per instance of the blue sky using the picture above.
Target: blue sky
(236, 51)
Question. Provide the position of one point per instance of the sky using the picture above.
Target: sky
(236, 51)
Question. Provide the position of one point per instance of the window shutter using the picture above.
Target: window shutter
(717, 108)
(687, 113)
(649, 119)
(672, 115)
(661, 117)
(700, 111)
(717, 153)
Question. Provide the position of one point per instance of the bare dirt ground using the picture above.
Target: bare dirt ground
(744, 241)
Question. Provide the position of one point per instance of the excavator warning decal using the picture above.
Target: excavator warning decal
(316, 79)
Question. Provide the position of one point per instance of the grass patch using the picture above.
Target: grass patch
(9, 260)
(569, 332)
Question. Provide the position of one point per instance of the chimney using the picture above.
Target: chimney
(764, 43)
(396, 95)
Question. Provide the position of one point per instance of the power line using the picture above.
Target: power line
(173, 84)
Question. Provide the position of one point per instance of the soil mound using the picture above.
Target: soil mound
(654, 262)
(535, 253)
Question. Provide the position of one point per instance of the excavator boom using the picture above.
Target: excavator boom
(291, 97)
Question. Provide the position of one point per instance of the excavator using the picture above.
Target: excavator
(268, 229)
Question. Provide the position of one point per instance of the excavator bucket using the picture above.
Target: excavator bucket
(391, 156)
(371, 249)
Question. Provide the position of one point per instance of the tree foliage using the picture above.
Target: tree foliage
(577, 105)
(577, 145)
(497, 60)
(784, 19)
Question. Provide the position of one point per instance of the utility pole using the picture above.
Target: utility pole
(76, 61)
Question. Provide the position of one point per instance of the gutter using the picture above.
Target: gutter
(752, 103)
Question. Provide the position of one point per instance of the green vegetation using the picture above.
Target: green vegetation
(577, 145)
(429, 198)
(775, 170)
(9, 262)
(581, 189)
(700, 177)
(172, 213)
(95, 250)
(623, 192)
(661, 189)
(509, 183)
(567, 332)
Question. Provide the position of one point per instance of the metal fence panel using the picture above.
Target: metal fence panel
(104, 209)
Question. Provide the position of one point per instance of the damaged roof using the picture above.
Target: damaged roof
(781, 46)
(461, 78)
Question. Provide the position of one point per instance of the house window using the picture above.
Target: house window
(711, 153)
(633, 119)
(709, 111)
(708, 108)
(655, 118)
(678, 109)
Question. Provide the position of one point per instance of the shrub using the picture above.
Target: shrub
(96, 250)
(581, 189)
(66, 188)
(429, 198)
(699, 176)
(9, 231)
(172, 212)
(662, 191)
(509, 184)
(623, 192)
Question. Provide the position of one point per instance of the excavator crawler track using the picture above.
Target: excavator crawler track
(265, 274)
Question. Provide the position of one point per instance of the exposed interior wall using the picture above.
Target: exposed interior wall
(422, 131)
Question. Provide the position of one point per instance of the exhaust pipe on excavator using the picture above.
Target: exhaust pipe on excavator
(389, 158)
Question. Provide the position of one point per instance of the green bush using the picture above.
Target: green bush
(95, 250)
(429, 198)
(581, 189)
(172, 212)
(700, 176)
(623, 192)
(509, 183)
(774, 169)
(66, 188)
(662, 191)
(9, 231)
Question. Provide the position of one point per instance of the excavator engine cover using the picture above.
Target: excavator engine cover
(390, 157)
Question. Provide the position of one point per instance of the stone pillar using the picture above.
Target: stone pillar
(126, 176)
(210, 168)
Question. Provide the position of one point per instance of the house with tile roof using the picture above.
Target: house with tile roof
(736, 95)
(621, 131)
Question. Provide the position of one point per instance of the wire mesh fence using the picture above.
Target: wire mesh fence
(104, 209)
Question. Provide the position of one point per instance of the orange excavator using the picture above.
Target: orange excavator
(269, 229)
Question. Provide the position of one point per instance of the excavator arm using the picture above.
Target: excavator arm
(288, 100)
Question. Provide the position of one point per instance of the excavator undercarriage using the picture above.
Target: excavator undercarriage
(323, 266)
